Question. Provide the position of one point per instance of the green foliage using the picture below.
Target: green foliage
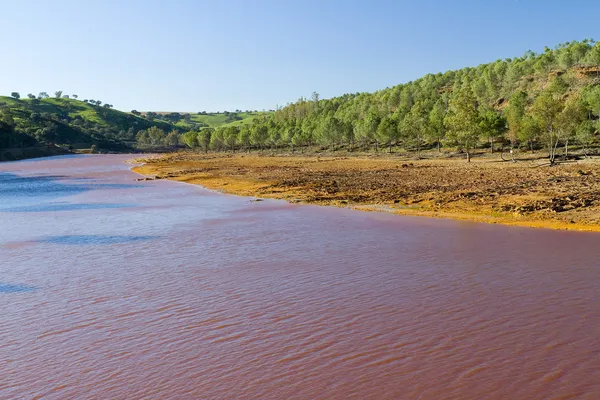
(489, 103)
(463, 121)
(172, 139)
(545, 111)
(492, 125)
(191, 139)
(537, 99)
(415, 126)
(74, 123)
(204, 138)
(437, 130)
(514, 113)
(587, 134)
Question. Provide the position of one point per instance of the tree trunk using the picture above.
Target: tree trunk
(566, 149)
(439, 146)
(390, 147)
(468, 156)
(492, 145)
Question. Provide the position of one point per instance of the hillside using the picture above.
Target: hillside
(69, 123)
(197, 121)
(549, 100)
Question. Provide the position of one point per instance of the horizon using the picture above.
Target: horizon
(264, 55)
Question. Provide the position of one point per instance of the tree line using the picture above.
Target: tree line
(545, 101)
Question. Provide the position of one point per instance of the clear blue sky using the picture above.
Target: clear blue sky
(194, 55)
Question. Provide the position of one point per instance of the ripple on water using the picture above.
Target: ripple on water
(51, 207)
(94, 239)
(15, 288)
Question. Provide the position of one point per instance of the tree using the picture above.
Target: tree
(47, 134)
(463, 120)
(142, 137)
(75, 96)
(204, 138)
(244, 137)
(31, 96)
(515, 113)
(58, 94)
(315, 99)
(259, 135)
(16, 95)
(546, 108)
(529, 131)
(172, 139)
(415, 125)
(437, 131)
(366, 129)
(307, 132)
(331, 131)
(492, 125)
(43, 95)
(569, 119)
(156, 136)
(136, 112)
(586, 135)
(152, 136)
(591, 97)
(230, 136)
(387, 132)
(217, 140)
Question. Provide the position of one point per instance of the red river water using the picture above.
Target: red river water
(116, 289)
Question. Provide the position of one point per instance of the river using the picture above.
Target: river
(114, 288)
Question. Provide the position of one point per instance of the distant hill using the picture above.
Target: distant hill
(196, 121)
(69, 123)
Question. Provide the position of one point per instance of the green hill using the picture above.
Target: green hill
(189, 121)
(548, 100)
(69, 123)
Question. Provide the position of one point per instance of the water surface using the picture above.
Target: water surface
(112, 288)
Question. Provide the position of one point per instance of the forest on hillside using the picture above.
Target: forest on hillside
(71, 123)
(549, 101)
(66, 121)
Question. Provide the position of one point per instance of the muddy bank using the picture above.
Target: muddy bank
(524, 193)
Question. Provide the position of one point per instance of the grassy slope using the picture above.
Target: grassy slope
(106, 118)
(100, 115)
(215, 120)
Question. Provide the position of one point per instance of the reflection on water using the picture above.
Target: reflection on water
(65, 207)
(8, 288)
(186, 294)
(93, 239)
(38, 193)
(12, 185)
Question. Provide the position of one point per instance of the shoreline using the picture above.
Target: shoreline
(273, 177)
